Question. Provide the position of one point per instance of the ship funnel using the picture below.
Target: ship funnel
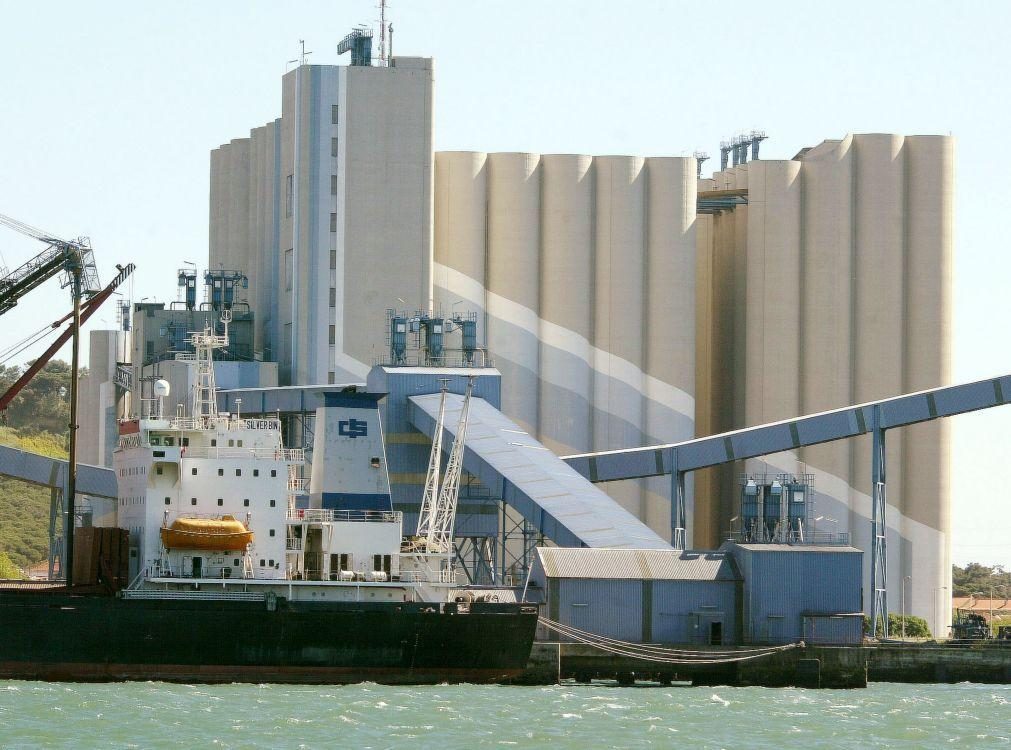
(349, 461)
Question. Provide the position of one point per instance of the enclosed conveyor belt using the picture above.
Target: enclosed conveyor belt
(97, 481)
(547, 492)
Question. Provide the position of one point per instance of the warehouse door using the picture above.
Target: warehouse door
(716, 633)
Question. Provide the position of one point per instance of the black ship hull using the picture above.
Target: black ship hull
(50, 636)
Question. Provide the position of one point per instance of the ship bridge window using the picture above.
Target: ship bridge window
(159, 454)
(231, 443)
(155, 440)
(170, 441)
(239, 443)
(184, 441)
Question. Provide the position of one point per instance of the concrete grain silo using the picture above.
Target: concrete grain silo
(566, 325)
(513, 280)
(845, 285)
(618, 383)
(669, 316)
(461, 212)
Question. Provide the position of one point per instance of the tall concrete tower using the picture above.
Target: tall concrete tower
(328, 211)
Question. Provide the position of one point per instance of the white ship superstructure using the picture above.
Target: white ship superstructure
(215, 503)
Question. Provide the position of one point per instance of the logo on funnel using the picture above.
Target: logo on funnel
(352, 428)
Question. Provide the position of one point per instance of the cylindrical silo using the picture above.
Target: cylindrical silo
(927, 512)
(879, 307)
(826, 311)
(238, 212)
(513, 268)
(566, 325)
(669, 342)
(217, 210)
(706, 518)
(620, 256)
(772, 358)
(461, 205)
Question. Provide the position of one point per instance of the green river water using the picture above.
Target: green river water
(142, 715)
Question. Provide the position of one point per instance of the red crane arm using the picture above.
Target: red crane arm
(90, 307)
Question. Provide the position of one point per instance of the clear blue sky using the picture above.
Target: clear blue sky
(110, 111)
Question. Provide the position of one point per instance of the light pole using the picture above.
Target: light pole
(904, 579)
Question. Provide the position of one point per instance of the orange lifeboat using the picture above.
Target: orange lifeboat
(218, 534)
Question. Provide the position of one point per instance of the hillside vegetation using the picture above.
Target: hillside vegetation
(37, 422)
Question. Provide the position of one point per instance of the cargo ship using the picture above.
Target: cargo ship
(222, 563)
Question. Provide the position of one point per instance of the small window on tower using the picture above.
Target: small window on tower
(333, 335)
(194, 471)
(273, 503)
(193, 501)
(333, 114)
(221, 472)
(235, 562)
(272, 532)
(220, 502)
(214, 442)
(263, 563)
(238, 472)
(333, 184)
(333, 147)
(168, 500)
(273, 472)
(245, 503)
(333, 224)
(256, 472)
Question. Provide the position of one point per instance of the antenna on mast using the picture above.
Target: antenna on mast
(384, 59)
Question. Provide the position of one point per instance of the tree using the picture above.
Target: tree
(43, 405)
(8, 570)
(916, 627)
(980, 579)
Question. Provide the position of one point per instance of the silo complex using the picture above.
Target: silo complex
(584, 269)
(617, 314)
(844, 298)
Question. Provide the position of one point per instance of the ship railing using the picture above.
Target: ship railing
(292, 455)
(326, 515)
(297, 485)
(428, 576)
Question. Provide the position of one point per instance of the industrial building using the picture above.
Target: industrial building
(626, 300)
(740, 594)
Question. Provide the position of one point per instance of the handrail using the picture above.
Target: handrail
(326, 515)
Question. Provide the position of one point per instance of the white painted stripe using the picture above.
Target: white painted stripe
(567, 340)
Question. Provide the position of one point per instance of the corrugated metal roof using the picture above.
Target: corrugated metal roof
(637, 564)
(563, 505)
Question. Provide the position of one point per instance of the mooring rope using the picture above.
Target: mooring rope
(661, 654)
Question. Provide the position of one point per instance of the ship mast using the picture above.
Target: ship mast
(205, 393)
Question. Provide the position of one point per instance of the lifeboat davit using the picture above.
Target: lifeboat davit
(218, 534)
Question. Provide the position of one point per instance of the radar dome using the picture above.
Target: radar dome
(161, 388)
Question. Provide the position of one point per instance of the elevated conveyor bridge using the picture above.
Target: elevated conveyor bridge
(547, 492)
(677, 459)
